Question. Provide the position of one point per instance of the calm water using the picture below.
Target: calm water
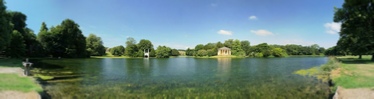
(183, 77)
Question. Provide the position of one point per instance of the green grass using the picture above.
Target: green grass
(10, 63)
(355, 73)
(17, 83)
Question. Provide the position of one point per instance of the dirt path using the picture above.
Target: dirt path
(16, 94)
(15, 70)
(357, 93)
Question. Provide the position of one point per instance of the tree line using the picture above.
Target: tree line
(357, 29)
(243, 48)
(63, 40)
(66, 40)
(134, 49)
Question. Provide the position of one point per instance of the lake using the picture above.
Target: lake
(182, 77)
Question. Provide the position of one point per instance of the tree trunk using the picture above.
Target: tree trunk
(359, 56)
(372, 57)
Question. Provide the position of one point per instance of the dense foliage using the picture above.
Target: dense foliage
(5, 27)
(163, 52)
(118, 50)
(243, 48)
(94, 45)
(357, 29)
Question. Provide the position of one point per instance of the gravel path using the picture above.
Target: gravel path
(356, 93)
(16, 94)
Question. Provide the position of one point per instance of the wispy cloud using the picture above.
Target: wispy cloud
(224, 32)
(252, 17)
(333, 27)
(262, 32)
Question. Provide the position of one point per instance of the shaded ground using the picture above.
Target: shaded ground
(16, 94)
(355, 78)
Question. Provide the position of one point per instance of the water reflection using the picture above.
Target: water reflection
(223, 68)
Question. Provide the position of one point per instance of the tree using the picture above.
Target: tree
(174, 52)
(131, 48)
(67, 40)
(279, 52)
(145, 45)
(16, 47)
(163, 52)
(117, 51)
(190, 52)
(199, 47)
(228, 43)
(219, 45)
(18, 20)
(202, 53)
(95, 45)
(264, 48)
(237, 48)
(46, 39)
(245, 46)
(5, 27)
(357, 18)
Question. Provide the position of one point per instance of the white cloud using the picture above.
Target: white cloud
(262, 32)
(333, 27)
(224, 32)
(252, 17)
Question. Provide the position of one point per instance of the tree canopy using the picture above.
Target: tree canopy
(5, 27)
(357, 29)
(163, 52)
(95, 45)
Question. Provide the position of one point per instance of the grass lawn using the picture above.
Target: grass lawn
(12, 81)
(17, 83)
(354, 72)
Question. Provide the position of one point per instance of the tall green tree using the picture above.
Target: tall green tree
(67, 40)
(5, 27)
(18, 20)
(246, 46)
(46, 39)
(163, 52)
(118, 50)
(131, 47)
(16, 47)
(228, 43)
(145, 45)
(265, 49)
(174, 52)
(357, 18)
(94, 45)
(236, 48)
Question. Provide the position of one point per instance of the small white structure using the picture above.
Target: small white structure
(27, 66)
(224, 51)
(146, 54)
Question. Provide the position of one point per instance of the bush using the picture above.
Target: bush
(259, 54)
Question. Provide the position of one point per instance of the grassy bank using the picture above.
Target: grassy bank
(354, 72)
(322, 72)
(17, 83)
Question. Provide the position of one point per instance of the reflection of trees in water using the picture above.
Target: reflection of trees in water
(138, 68)
(223, 68)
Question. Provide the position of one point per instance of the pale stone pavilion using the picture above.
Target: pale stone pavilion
(224, 51)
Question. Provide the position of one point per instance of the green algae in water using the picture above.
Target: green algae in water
(187, 78)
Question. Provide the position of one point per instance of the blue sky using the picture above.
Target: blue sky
(186, 23)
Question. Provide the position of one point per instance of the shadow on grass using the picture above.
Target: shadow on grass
(355, 61)
(10, 62)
